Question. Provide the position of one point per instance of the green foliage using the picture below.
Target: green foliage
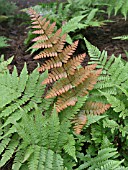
(114, 70)
(7, 8)
(123, 37)
(3, 42)
(113, 86)
(43, 140)
(34, 137)
(113, 6)
(18, 95)
(3, 18)
(36, 141)
(104, 160)
(117, 5)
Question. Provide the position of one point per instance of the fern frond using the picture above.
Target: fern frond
(69, 97)
(4, 64)
(59, 58)
(63, 72)
(70, 147)
(73, 81)
(79, 121)
(3, 42)
(10, 150)
(19, 157)
(114, 69)
(3, 144)
(64, 101)
(95, 107)
(123, 37)
(117, 105)
(37, 133)
(45, 159)
(103, 160)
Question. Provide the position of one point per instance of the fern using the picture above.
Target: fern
(123, 37)
(4, 64)
(114, 70)
(71, 80)
(104, 160)
(3, 42)
(53, 47)
(116, 6)
(112, 85)
(42, 141)
(113, 6)
(18, 95)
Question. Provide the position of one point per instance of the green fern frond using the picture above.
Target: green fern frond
(3, 144)
(19, 90)
(117, 105)
(104, 159)
(114, 70)
(116, 6)
(4, 64)
(3, 40)
(92, 119)
(38, 157)
(10, 150)
(70, 147)
(123, 37)
(43, 139)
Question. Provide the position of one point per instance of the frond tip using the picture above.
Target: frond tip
(79, 121)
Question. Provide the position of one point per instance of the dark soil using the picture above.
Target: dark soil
(102, 37)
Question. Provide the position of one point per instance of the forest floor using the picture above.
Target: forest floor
(98, 36)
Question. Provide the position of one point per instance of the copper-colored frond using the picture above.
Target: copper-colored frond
(45, 54)
(38, 31)
(40, 38)
(56, 36)
(58, 45)
(54, 50)
(73, 63)
(56, 73)
(88, 84)
(59, 87)
(81, 74)
(36, 26)
(50, 29)
(96, 107)
(79, 121)
(45, 44)
(46, 24)
(68, 51)
(59, 91)
(32, 13)
(65, 101)
(52, 63)
(54, 77)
